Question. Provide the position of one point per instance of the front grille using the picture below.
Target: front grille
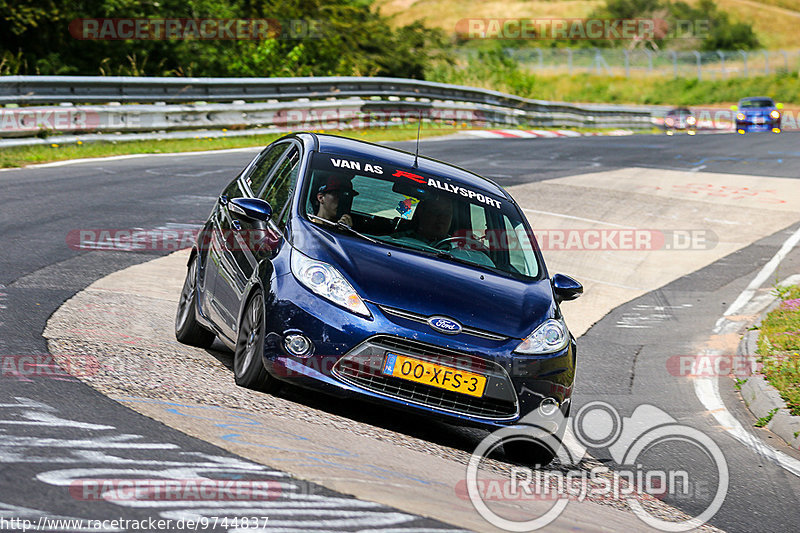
(422, 319)
(362, 367)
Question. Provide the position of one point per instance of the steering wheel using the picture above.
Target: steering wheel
(474, 244)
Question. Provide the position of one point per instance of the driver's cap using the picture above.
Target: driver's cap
(340, 184)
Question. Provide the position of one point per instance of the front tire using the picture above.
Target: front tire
(187, 329)
(248, 368)
(529, 452)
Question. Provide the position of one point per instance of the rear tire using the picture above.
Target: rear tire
(187, 329)
(248, 368)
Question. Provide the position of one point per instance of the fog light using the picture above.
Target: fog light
(297, 344)
(776, 130)
(741, 132)
(548, 406)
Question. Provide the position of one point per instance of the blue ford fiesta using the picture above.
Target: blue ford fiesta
(365, 271)
(758, 113)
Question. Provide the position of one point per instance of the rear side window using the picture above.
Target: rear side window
(278, 190)
(233, 190)
(261, 171)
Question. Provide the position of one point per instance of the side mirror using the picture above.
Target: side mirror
(734, 108)
(566, 288)
(251, 208)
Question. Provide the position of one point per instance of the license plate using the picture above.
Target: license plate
(759, 120)
(443, 377)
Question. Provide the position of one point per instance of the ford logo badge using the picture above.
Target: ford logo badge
(444, 325)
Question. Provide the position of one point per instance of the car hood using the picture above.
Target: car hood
(390, 276)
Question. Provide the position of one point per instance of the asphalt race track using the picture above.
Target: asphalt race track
(55, 430)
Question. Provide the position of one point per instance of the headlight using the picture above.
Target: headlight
(549, 337)
(774, 114)
(691, 120)
(324, 280)
(669, 122)
(740, 116)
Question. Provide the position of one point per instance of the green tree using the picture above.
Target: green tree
(352, 40)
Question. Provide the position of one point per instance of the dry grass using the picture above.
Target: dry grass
(775, 21)
(445, 14)
(776, 26)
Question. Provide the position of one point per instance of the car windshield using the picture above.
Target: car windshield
(761, 102)
(407, 208)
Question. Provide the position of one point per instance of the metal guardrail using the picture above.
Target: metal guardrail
(185, 103)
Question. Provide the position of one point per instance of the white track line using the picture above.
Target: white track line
(131, 156)
(764, 274)
(707, 389)
(562, 215)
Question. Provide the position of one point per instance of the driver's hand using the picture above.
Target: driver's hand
(347, 220)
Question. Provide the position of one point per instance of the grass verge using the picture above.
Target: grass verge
(779, 347)
(26, 155)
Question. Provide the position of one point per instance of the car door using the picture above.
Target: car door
(211, 250)
(228, 234)
(256, 240)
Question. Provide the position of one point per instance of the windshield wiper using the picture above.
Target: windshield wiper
(342, 227)
(442, 254)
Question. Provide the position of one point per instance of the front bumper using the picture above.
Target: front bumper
(752, 125)
(349, 351)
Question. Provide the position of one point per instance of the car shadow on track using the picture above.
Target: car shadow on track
(413, 425)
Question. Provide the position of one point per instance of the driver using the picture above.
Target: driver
(433, 219)
(334, 189)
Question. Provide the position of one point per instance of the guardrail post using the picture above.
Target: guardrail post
(674, 55)
(569, 60)
(541, 58)
(699, 65)
(627, 63)
(721, 55)
(597, 61)
(649, 60)
(744, 58)
(766, 62)
(785, 59)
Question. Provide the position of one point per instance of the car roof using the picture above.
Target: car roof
(755, 98)
(341, 145)
(679, 110)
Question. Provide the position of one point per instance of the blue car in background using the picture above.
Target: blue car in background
(757, 114)
(364, 271)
